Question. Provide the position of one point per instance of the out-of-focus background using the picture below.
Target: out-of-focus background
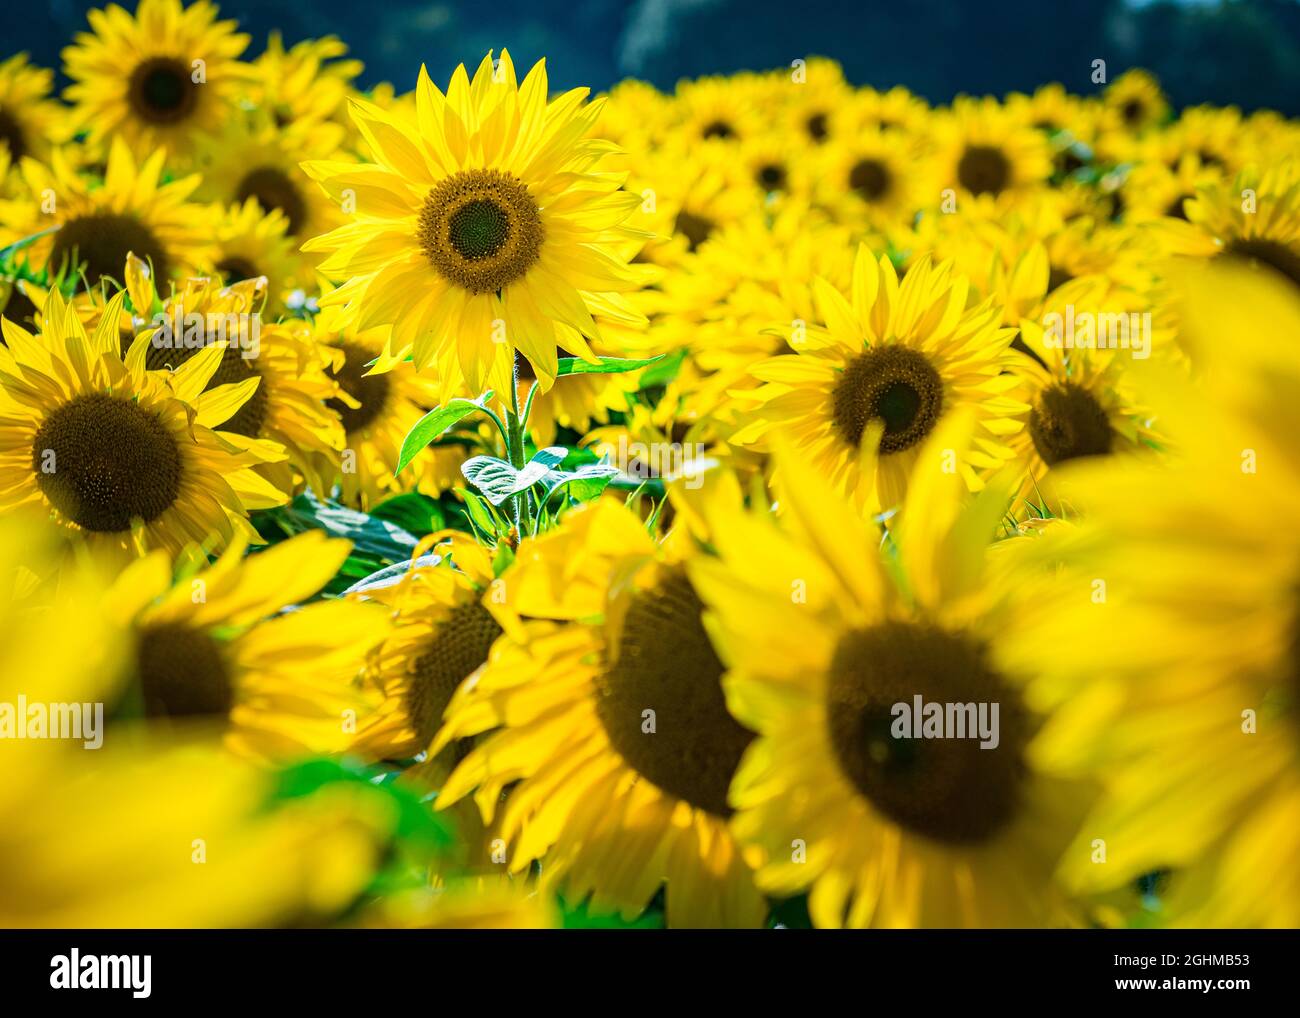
(1245, 52)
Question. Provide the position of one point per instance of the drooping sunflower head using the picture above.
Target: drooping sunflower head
(605, 647)
(133, 212)
(165, 76)
(443, 634)
(864, 389)
(486, 220)
(113, 453)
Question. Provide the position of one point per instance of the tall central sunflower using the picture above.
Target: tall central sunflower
(485, 224)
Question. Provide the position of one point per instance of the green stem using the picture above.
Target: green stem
(515, 448)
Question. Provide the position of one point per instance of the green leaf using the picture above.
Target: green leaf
(583, 484)
(434, 423)
(495, 478)
(498, 480)
(665, 371)
(606, 365)
(414, 512)
(480, 515)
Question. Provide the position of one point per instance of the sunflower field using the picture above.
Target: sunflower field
(774, 502)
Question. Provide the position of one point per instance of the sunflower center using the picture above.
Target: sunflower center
(234, 367)
(12, 136)
(984, 169)
(274, 189)
(101, 241)
(818, 127)
(949, 788)
(183, 672)
(719, 129)
(481, 230)
(892, 384)
(695, 229)
(1133, 112)
(371, 391)
(1277, 257)
(870, 178)
(660, 700)
(162, 92)
(459, 646)
(103, 461)
(234, 268)
(771, 177)
(1068, 423)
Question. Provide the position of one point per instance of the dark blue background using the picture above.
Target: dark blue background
(1245, 52)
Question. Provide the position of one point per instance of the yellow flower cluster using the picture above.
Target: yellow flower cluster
(773, 501)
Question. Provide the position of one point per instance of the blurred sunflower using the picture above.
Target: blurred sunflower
(29, 119)
(1136, 101)
(984, 152)
(216, 644)
(1202, 739)
(253, 159)
(307, 83)
(821, 642)
(158, 80)
(135, 211)
(615, 728)
(1254, 218)
(874, 179)
(886, 364)
(111, 451)
(485, 223)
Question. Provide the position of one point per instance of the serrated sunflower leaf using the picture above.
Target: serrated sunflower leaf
(434, 423)
(606, 365)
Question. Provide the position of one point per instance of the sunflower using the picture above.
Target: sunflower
(719, 111)
(253, 159)
(615, 728)
(886, 365)
(285, 419)
(873, 179)
(1203, 732)
(869, 110)
(1254, 218)
(377, 410)
(985, 153)
(252, 243)
(442, 634)
(1135, 100)
(111, 451)
(214, 645)
(133, 212)
(810, 105)
(821, 642)
(309, 82)
(1082, 402)
(160, 79)
(29, 119)
(484, 225)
